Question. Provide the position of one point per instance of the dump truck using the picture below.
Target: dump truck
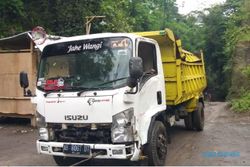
(115, 96)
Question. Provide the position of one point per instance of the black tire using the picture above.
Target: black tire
(188, 120)
(66, 161)
(199, 117)
(157, 146)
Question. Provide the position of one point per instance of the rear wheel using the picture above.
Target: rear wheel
(199, 117)
(188, 120)
(157, 147)
(66, 161)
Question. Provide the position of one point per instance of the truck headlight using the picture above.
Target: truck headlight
(40, 120)
(43, 134)
(122, 126)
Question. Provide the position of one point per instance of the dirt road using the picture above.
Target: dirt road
(224, 132)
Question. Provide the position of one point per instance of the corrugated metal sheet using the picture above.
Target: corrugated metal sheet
(16, 42)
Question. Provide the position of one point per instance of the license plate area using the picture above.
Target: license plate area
(76, 149)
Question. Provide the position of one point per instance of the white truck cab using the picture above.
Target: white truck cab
(105, 96)
(96, 95)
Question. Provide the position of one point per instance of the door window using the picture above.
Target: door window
(147, 52)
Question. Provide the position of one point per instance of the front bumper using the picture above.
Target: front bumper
(109, 151)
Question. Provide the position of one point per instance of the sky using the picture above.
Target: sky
(186, 6)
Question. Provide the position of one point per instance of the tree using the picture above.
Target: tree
(225, 25)
(11, 16)
(215, 27)
(65, 18)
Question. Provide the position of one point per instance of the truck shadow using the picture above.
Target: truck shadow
(14, 121)
(179, 129)
(107, 162)
(176, 131)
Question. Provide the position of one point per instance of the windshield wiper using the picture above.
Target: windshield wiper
(68, 88)
(46, 94)
(86, 89)
(97, 86)
(111, 81)
(83, 89)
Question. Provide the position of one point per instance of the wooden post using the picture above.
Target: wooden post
(89, 19)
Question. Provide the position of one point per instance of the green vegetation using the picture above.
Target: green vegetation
(241, 104)
(246, 71)
(67, 18)
(217, 30)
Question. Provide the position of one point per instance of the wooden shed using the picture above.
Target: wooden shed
(17, 54)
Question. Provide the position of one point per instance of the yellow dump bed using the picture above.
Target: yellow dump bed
(184, 72)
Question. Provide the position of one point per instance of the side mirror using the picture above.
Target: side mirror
(24, 83)
(23, 78)
(135, 71)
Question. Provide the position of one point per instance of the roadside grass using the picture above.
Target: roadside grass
(242, 104)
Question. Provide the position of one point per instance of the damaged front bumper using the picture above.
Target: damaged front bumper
(107, 151)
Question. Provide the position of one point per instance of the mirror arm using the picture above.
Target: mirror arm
(27, 93)
(24, 92)
(136, 90)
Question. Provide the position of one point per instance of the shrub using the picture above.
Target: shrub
(241, 104)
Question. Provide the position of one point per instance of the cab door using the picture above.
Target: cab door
(151, 93)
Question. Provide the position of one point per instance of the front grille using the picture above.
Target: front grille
(102, 135)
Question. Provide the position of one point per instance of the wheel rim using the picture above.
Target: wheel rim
(161, 146)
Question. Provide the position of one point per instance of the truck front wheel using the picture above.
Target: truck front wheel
(157, 146)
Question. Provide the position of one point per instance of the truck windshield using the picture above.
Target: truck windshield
(89, 64)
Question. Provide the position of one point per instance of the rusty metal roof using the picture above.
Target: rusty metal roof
(16, 42)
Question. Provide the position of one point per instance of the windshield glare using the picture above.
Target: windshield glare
(100, 63)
